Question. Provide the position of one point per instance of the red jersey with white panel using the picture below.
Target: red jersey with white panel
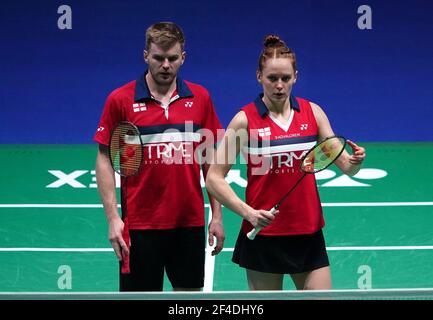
(274, 154)
(167, 193)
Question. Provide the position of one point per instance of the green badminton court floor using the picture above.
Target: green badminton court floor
(53, 233)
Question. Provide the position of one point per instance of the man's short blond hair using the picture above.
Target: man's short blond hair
(165, 35)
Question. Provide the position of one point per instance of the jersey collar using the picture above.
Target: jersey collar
(262, 109)
(142, 91)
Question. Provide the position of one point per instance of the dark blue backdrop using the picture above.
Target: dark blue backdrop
(375, 85)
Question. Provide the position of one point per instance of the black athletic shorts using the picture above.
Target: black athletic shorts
(281, 254)
(180, 252)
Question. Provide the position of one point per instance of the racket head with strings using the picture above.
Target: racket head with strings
(125, 149)
(323, 154)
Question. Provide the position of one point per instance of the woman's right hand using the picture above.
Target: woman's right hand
(260, 218)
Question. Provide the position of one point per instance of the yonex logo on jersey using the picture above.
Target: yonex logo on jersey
(188, 104)
(139, 107)
(100, 129)
(265, 132)
(304, 126)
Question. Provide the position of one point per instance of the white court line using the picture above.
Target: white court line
(330, 204)
(209, 265)
(377, 204)
(334, 294)
(48, 206)
(378, 248)
(368, 248)
(209, 249)
(57, 249)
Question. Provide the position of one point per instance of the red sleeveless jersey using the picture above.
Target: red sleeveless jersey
(274, 154)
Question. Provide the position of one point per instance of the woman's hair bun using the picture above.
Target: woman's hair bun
(273, 41)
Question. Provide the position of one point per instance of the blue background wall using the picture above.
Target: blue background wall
(375, 85)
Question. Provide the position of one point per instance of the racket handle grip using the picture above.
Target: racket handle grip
(252, 234)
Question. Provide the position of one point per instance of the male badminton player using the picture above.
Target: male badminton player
(162, 225)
